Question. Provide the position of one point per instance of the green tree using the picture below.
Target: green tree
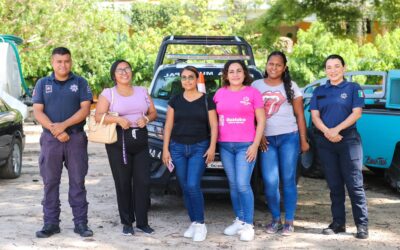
(91, 33)
(315, 44)
(342, 17)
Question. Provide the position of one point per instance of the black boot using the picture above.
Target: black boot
(334, 228)
(48, 230)
(362, 232)
(83, 230)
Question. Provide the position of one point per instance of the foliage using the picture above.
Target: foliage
(89, 32)
(342, 17)
(97, 35)
(314, 45)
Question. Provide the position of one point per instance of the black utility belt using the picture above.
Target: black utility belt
(344, 132)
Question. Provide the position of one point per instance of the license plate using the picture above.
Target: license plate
(215, 164)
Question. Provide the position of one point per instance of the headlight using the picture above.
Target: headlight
(156, 130)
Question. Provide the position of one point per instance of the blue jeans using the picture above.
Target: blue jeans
(239, 171)
(279, 163)
(189, 168)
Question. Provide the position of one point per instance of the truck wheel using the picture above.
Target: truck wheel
(309, 162)
(377, 171)
(12, 168)
(392, 174)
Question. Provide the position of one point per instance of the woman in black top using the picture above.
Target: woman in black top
(188, 145)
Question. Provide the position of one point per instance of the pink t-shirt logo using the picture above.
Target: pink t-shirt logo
(272, 102)
(245, 101)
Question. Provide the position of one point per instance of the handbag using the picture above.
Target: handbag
(100, 132)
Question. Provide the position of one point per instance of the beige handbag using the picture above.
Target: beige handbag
(102, 133)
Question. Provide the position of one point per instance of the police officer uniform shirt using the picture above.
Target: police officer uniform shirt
(62, 99)
(336, 102)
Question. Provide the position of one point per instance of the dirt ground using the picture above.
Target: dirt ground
(21, 215)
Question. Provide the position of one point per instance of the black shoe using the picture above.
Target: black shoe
(128, 230)
(145, 229)
(48, 230)
(362, 232)
(83, 230)
(334, 228)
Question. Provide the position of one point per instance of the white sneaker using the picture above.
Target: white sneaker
(247, 232)
(190, 231)
(234, 228)
(200, 232)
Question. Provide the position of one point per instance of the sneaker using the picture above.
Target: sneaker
(48, 230)
(145, 229)
(247, 232)
(200, 232)
(287, 230)
(190, 231)
(83, 230)
(334, 228)
(234, 228)
(274, 227)
(127, 230)
(362, 232)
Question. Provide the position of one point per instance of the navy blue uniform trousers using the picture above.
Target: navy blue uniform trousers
(73, 154)
(342, 165)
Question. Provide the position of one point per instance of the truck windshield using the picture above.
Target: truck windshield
(168, 82)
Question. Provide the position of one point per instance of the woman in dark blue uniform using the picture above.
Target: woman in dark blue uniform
(335, 108)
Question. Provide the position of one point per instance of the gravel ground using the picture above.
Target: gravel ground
(21, 215)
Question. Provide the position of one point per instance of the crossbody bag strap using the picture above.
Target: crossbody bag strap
(112, 98)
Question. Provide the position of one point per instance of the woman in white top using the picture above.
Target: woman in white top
(285, 134)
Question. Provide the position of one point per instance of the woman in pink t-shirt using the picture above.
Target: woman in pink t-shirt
(238, 106)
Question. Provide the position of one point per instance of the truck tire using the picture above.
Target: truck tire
(314, 168)
(377, 171)
(12, 168)
(392, 174)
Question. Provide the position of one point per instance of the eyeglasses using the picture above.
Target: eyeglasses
(125, 70)
(190, 78)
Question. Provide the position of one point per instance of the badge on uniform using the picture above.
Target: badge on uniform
(49, 89)
(74, 88)
(361, 93)
(343, 95)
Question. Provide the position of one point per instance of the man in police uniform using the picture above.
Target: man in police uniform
(335, 108)
(61, 105)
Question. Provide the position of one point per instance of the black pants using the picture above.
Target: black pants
(342, 164)
(132, 179)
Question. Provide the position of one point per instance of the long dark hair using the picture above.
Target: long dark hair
(286, 79)
(114, 68)
(247, 78)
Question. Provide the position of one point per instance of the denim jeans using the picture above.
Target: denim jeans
(239, 171)
(279, 163)
(189, 168)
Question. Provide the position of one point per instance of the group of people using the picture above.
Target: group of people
(244, 118)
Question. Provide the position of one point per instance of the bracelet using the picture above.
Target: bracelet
(147, 119)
